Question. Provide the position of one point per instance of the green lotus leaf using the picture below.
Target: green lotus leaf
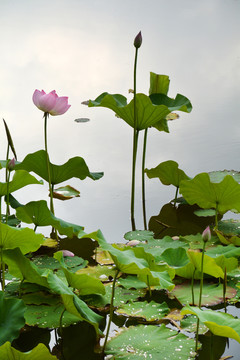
(22, 268)
(20, 179)
(189, 324)
(74, 167)
(48, 316)
(200, 190)
(168, 173)
(131, 282)
(84, 283)
(227, 264)
(229, 227)
(148, 311)
(175, 258)
(210, 266)
(188, 272)
(227, 251)
(38, 213)
(218, 176)
(159, 84)
(141, 235)
(103, 273)
(65, 193)
(40, 352)
(11, 318)
(180, 103)
(151, 342)
(121, 296)
(221, 324)
(72, 303)
(24, 238)
(212, 294)
(196, 242)
(48, 262)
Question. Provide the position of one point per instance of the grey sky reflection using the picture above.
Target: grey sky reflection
(81, 49)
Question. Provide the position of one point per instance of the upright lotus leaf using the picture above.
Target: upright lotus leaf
(22, 268)
(180, 103)
(150, 342)
(74, 167)
(38, 213)
(159, 84)
(168, 173)
(175, 258)
(223, 196)
(210, 266)
(86, 284)
(137, 261)
(40, 352)
(11, 318)
(20, 179)
(72, 303)
(24, 238)
(219, 323)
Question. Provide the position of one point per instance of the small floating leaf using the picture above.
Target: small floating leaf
(65, 193)
(148, 311)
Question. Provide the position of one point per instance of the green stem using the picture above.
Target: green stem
(7, 197)
(200, 293)
(135, 139)
(7, 155)
(192, 283)
(149, 287)
(2, 269)
(224, 289)
(216, 216)
(46, 115)
(143, 179)
(176, 195)
(111, 310)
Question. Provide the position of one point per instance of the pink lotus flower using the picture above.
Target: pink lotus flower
(50, 103)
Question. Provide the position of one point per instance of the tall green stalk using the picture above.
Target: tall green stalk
(143, 179)
(111, 310)
(135, 142)
(46, 115)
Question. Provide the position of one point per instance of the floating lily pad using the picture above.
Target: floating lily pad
(141, 235)
(212, 293)
(189, 324)
(147, 311)
(150, 342)
(65, 193)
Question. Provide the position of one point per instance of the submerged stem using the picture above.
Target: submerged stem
(46, 115)
(111, 310)
(143, 179)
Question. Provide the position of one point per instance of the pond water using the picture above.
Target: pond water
(82, 49)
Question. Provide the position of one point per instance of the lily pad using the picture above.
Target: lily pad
(74, 167)
(11, 318)
(40, 352)
(150, 312)
(140, 235)
(189, 324)
(150, 342)
(218, 176)
(212, 293)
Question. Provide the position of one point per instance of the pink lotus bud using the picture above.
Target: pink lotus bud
(67, 253)
(138, 40)
(206, 235)
(50, 103)
(11, 164)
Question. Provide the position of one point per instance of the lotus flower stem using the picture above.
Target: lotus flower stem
(216, 216)
(111, 310)
(46, 115)
(143, 179)
(135, 141)
(176, 195)
(224, 289)
(192, 283)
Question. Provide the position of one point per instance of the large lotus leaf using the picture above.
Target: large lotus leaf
(147, 113)
(132, 282)
(159, 84)
(72, 303)
(121, 296)
(74, 167)
(227, 264)
(227, 251)
(212, 294)
(103, 273)
(148, 311)
(179, 220)
(48, 316)
(188, 272)
(73, 263)
(158, 278)
(189, 324)
(150, 342)
(219, 323)
(11, 318)
(218, 176)
(180, 103)
(175, 258)
(168, 173)
(40, 352)
(22, 268)
(196, 242)
(26, 239)
(20, 179)
(38, 213)
(210, 266)
(200, 190)
(84, 283)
